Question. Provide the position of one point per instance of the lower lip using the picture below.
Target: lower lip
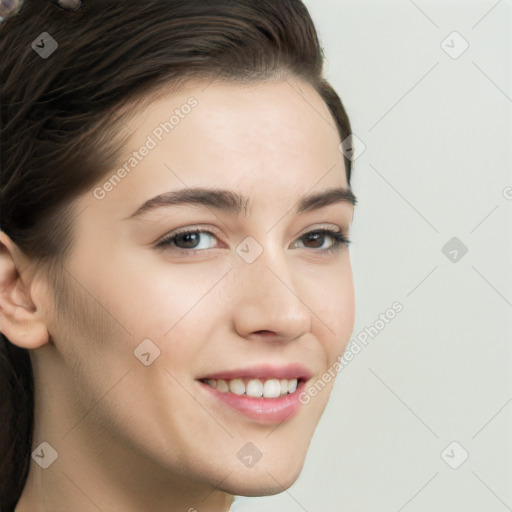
(263, 410)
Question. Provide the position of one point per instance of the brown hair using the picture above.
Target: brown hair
(61, 123)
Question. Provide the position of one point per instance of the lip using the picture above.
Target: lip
(262, 410)
(263, 371)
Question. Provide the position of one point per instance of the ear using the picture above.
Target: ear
(20, 321)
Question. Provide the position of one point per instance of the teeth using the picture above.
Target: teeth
(254, 388)
(292, 385)
(237, 386)
(269, 388)
(222, 385)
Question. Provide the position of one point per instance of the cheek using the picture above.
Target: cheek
(152, 296)
(333, 305)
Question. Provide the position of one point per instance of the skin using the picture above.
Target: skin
(132, 437)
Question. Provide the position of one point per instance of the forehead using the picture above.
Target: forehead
(273, 141)
(229, 126)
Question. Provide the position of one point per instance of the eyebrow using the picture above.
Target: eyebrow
(234, 203)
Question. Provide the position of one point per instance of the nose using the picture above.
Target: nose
(267, 299)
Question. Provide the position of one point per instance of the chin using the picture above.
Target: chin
(263, 481)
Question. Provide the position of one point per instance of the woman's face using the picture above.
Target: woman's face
(249, 297)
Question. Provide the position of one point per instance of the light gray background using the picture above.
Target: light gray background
(438, 137)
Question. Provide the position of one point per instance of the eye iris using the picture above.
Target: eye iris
(315, 237)
(190, 239)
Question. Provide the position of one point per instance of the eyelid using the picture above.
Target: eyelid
(164, 242)
(321, 225)
(189, 229)
(212, 230)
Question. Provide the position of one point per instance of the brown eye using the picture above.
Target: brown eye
(316, 239)
(196, 240)
(187, 240)
(312, 240)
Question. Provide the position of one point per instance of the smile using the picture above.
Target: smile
(264, 394)
(266, 388)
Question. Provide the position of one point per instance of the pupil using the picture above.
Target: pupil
(190, 239)
(315, 237)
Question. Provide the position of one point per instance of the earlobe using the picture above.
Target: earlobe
(20, 320)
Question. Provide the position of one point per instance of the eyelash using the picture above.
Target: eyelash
(340, 240)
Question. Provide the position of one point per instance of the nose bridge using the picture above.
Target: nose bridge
(266, 297)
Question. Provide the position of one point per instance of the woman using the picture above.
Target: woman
(175, 273)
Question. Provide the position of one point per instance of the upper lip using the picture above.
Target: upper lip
(267, 371)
